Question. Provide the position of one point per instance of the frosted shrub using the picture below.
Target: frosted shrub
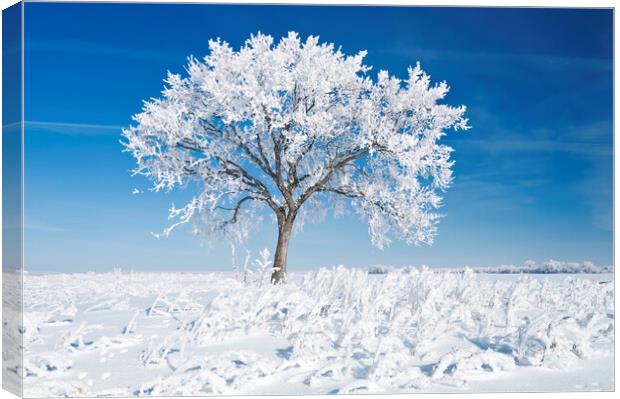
(378, 327)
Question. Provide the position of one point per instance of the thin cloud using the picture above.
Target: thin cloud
(539, 60)
(592, 142)
(69, 128)
(13, 125)
(100, 49)
(588, 140)
(522, 144)
(44, 228)
(597, 192)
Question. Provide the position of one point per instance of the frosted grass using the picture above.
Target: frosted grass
(333, 331)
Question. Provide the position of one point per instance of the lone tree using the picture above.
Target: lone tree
(297, 127)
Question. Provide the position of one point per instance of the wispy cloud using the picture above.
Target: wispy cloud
(538, 60)
(12, 125)
(490, 195)
(69, 128)
(44, 228)
(102, 49)
(596, 189)
(519, 144)
(521, 160)
(493, 136)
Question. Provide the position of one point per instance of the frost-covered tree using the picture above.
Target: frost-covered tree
(297, 128)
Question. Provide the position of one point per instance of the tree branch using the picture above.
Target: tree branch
(235, 209)
(333, 165)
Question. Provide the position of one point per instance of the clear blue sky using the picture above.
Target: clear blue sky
(533, 178)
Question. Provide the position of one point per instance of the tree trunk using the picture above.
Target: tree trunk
(279, 260)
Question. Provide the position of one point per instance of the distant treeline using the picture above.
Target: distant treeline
(548, 267)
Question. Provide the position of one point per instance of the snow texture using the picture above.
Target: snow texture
(333, 330)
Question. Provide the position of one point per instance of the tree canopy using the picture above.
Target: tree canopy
(297, 127)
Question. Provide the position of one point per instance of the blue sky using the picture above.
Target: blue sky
(533, 177)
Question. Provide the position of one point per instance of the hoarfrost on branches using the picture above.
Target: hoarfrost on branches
(295, 127)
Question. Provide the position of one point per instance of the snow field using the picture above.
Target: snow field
(333, 330)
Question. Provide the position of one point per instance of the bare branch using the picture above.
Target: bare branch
(235, 209)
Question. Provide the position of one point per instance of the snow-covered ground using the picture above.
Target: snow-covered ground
(328, 331)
